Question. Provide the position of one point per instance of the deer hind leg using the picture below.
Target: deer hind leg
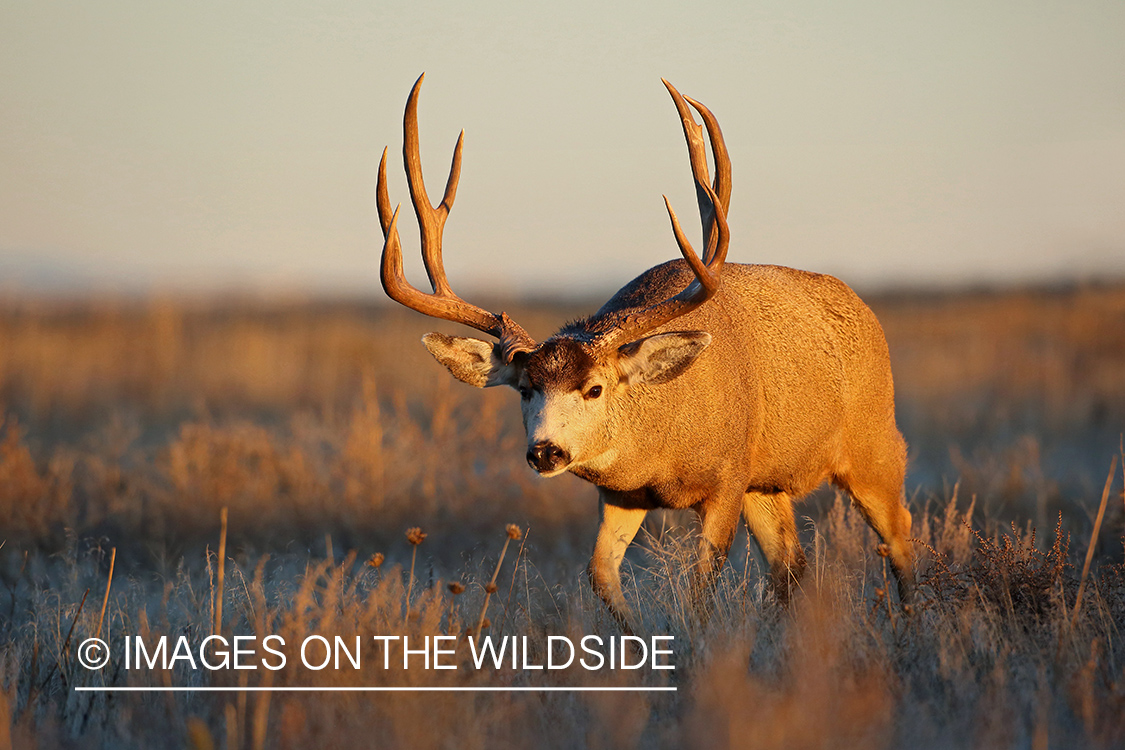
(880, 500)
(770, 518)
(615, 533)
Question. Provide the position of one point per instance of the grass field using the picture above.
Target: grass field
(326, 431)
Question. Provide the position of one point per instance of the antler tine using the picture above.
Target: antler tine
(722, 184)
(697, 153)
(708, 280)
(431, 220)
(381, 198)
(443, 303)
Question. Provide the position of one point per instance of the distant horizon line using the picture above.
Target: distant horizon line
(374, 297)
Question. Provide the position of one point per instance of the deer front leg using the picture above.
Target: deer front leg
(719, 520)
(615, 533)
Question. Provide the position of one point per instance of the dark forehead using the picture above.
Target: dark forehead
(560, 363)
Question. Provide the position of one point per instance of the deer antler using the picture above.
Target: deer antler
(713, 203)
(443, 303)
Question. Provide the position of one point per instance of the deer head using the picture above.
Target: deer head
(569, 384)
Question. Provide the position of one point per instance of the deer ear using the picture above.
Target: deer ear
(660, 358)
(472, 361)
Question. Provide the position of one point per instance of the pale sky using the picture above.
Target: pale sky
(204, 145)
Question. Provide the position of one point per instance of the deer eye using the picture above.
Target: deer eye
(525, 392)
(594, 392)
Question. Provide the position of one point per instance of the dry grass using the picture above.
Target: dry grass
(988, 657)
(131, 426)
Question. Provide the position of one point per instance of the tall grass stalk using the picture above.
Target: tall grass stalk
(415, 536)
(1093, 541)
(66, 643)
(513, 533)
(218, 626)
(108, 584)
(512, 585)
(262, 713)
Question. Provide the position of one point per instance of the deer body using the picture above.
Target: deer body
(729, 389)
(768, 403)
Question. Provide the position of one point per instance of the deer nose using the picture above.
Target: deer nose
(546, 456)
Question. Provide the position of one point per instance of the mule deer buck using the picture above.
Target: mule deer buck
(721, 387)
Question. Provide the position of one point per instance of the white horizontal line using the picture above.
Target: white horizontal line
(362, 689)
